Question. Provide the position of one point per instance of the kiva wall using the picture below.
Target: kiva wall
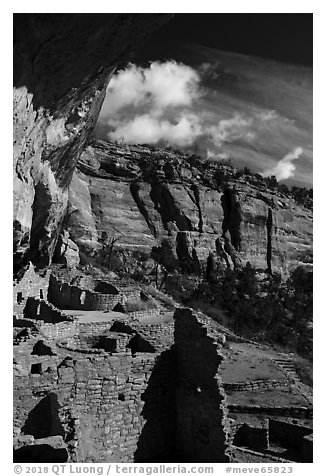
(66, 296)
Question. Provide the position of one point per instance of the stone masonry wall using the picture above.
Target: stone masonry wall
(255, 385)
(201, 409)
(243, 455)
(161, 336)
(65, 296)
(131, 294)
(31, 285)
(126, 391)
(293, 411)
(59, 331)
(111, 396)
(111, 407)
(140, 315)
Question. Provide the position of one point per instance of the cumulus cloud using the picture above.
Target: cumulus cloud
(266, 115)
(230, 130)
(223, 109)
(209, 71)
(153, 105)
(285, 168)
(271, 117)
(160, 86)
(151, 130)
(167, 103)
(161, 104)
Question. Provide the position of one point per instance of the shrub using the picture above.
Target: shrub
(304, 369)
(133, 306)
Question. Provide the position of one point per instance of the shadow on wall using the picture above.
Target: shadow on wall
(201, 409)
(40, 454)
(138, 344)
(43, 311)
(43, 420)
(157, 439)
(119, 326)
(105, 288)
(42, 349)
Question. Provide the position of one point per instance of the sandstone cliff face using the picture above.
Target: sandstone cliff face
(147, 197)
(62, 65)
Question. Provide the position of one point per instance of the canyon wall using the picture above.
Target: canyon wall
(188, 207)
(62, 66)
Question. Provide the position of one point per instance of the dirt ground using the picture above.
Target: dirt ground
(107, 316)
(245, 362)
(281, 397)
(94, 316)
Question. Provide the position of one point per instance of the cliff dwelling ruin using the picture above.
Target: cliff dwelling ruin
(93, 384)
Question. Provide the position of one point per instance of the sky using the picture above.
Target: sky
(283, 37)
(231, 86)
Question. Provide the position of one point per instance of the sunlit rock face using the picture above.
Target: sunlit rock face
(62, 65)
(186, 206)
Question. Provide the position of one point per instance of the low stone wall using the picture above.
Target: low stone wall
(158, 336)
(293, 437)
(200, 399)
(140, 315)
(294, 412)
(96, 343)
(243, 455)
(254, 385)
(59, 331)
